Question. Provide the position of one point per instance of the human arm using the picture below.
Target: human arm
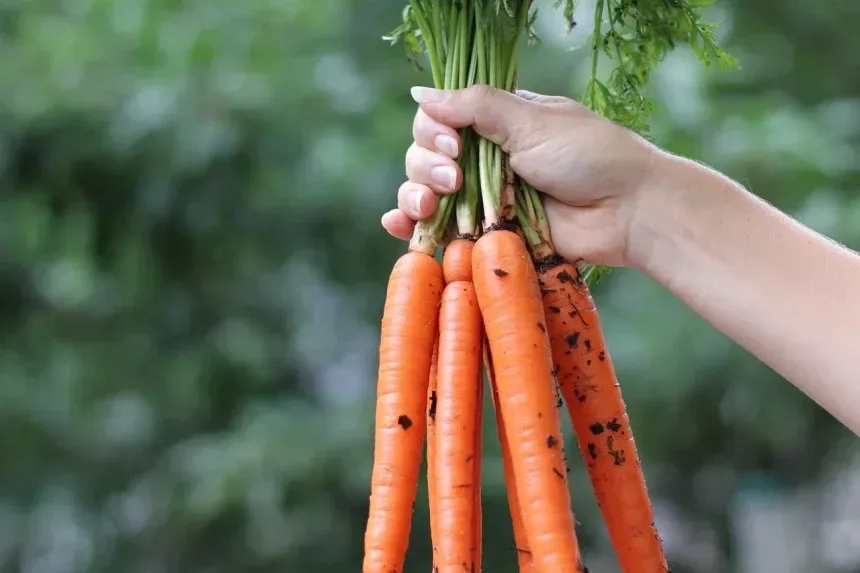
(785, 293)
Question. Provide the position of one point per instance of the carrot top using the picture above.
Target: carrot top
(531, 216)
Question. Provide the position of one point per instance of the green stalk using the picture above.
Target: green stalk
(436, 65)
(524, 216)
(473, 66)
(522, 20)
(482, 54)
(438, 30)
(453, 43)
(465, 64)
(495, 166)
(498, 69)
(467, 201)
(468, 196)
(429, 233)
(532, 219)
(466, 44)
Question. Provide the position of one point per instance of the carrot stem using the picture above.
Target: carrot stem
(467, 198)
(456, 57)
(436, 67)
(532, 217)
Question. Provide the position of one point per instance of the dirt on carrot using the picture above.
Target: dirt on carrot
(431, 450)
(591, 392)
(510, 301)
(409, 324)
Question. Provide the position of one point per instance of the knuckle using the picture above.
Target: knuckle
(418, 125)
(479, 95)
(406, 189)
(411, 157)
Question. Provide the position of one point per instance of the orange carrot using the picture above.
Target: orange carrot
(477, 516)
(408, 333)
(431, 451)
(457, 261)
(521, 543)
(458, 388)
(510, 302)
(593, 397)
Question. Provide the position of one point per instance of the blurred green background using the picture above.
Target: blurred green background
(192, 274)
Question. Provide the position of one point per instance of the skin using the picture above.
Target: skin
(613, 198)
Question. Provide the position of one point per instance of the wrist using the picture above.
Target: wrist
(673, 193)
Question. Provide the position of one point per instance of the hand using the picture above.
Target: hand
(594, 173)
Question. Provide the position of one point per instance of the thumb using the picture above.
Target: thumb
(493, 113)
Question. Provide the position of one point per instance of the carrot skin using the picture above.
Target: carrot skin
(521, 543)
(431, 451)
(478, 516)
(457, 262)
(510, 301)
(409, 324)
(459, 370)
(590, 390)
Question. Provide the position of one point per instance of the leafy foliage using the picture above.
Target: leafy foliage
(638, 37)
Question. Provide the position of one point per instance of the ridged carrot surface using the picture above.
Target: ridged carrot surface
(431, 450)
(460, 338)
(510, 301)
(591, 392)
(409, 324)
(457, 261)
(478, 515)
(521, 543)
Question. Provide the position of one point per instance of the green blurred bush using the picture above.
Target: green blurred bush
(192, 272)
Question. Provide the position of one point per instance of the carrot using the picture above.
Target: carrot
(408, 333)
(431, 450)
(510, 301)
(457, 261)
(589, 388)
(458, 388)
(593, 397)
(477, 516)
(521, 543)
(456, 266)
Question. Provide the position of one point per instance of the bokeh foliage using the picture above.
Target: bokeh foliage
(192, 274)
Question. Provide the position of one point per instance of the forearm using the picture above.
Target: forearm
(788, 295)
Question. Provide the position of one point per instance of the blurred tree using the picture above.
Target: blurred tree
(192, 273)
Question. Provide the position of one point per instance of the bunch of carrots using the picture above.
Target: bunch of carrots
(501, 301)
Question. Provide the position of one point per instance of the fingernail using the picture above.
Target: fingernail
(386, 217)
(447, 145)
(428, 95)
(416, 204)
(445, 176)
